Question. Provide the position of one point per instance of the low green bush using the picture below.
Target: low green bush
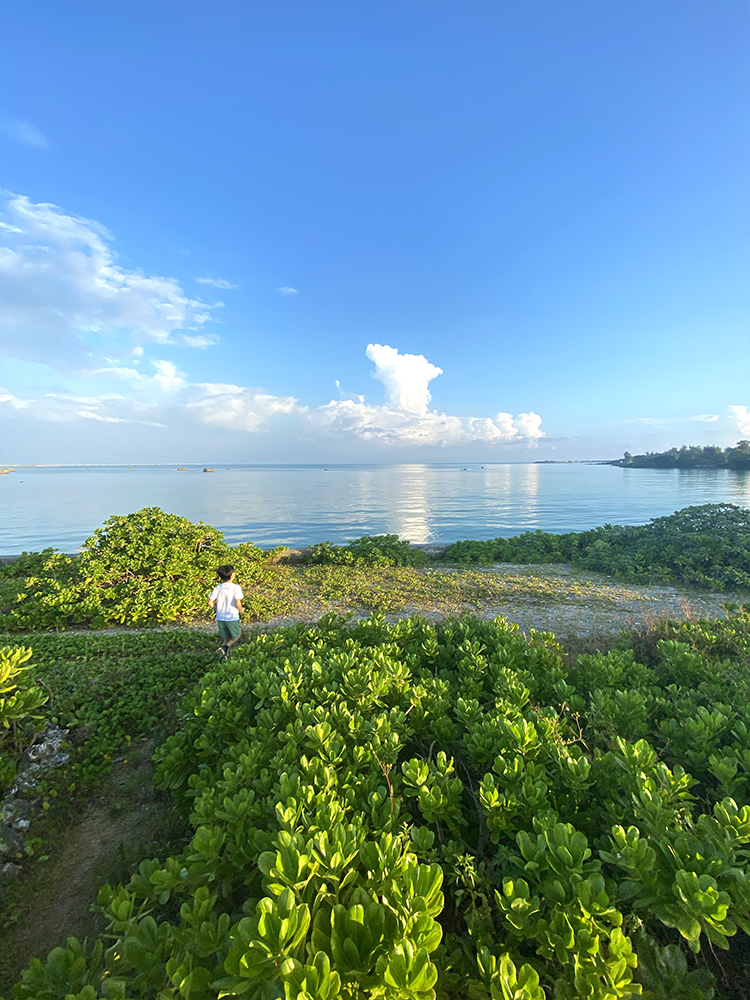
(706, 546)
(150, 567)
(106, 690)
(409, 812)
(528, 547)
(369, 550)
(138, 569)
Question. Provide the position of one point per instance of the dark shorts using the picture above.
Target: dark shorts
(229, 630)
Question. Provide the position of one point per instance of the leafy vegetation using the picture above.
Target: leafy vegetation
(137, 569)
(391, 590)
(691, 457)
(108, 690)
(369, 550)
(409, 811)
(150, 567)
(530, 547)
(116, 695)
(706, 546)
(167, 573)
(19, 698)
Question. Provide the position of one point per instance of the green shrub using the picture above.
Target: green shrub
(706, 546)
(137, 569)
(369, 550)
(410, 811)
(19, 698)
(529, 547)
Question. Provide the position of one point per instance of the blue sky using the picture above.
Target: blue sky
(528, 221)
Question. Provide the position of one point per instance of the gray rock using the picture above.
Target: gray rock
(11, 842)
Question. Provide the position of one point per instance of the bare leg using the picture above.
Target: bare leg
(230, 643)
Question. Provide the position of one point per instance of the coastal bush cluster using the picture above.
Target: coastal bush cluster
(105, 700)
(706, 546)
(137, 569)
(369, 550)
(409, 811)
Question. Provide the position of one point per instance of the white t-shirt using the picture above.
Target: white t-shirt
(225, 595)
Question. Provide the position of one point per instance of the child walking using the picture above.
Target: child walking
(226, 598)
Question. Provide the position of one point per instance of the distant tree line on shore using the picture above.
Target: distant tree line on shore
(690, 457)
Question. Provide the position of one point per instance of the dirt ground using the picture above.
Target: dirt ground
(52, 899)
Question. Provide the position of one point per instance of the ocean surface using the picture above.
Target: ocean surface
(298, 505)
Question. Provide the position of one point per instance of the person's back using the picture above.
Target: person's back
(225, 597)
(226, 600)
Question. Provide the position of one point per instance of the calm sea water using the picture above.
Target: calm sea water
(300, 504)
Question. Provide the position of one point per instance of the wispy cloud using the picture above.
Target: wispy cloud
(217, 283)
(23, 132)
(15, 402)
(64, 298)
(288, 290)
(166, 377)
(108, 408)
(699, 418)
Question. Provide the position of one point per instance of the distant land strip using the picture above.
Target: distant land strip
(689, 457)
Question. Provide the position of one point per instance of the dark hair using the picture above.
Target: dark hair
(224, 572)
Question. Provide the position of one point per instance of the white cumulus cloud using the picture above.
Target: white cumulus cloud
(406, 418)
(63, 296)
(529, 425)
(161, 395)
(405, 377)
(741, 414)
(237, 407)
(167, 376)
(288, 290)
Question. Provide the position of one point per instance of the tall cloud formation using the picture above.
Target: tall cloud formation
(406, 418)
(64, 299)
(405, 377)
